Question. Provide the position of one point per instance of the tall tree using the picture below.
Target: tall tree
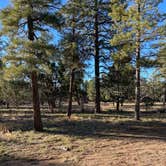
(72, 44)
(26, 19)
(162, 62)
(116, 84)
(96, 29)
(136, 23)
(96, 55)
(162, 59)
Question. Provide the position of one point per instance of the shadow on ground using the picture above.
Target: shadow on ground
(110, 125)
(100, 129)
(9, 160)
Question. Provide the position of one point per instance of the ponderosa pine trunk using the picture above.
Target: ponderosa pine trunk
(72, 73)
(117, 104)
(60, 103)
(51, 104)
(77, 96)
(7, 105)
(35, 93)
(97, 61)
(82, 105)
(164, 98)
(137, 89)
(118, 88)
(36, 104)
(69, 111)
(137, 75)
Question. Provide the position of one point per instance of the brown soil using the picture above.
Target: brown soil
(85, 140)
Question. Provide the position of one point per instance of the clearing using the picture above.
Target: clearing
(108, 139)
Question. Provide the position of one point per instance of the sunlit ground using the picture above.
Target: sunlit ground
(110, 138)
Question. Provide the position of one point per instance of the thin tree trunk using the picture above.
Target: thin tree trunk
(72, 74)
(82, 104)
(7, 105)
(69, 112)
(36, 104)
(164, 98)
(97, 62)
(77, 96)
(53, 105)
(118, 88)
(60, 103)
(35, 93)
(137, 87)
(117, 105)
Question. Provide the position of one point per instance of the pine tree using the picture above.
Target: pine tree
(115, 83)
(162, 59)
(136, 23)
(72, 44)
(162, 62)
(96, 29)
(23, 22)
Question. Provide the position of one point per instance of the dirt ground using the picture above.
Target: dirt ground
(108, 139)
(104, 152)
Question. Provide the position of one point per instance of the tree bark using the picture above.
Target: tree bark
(7, 105)
(36, 104)
(164, 98)
(53, 105)
(69, 112)
(118, 88)
(60, 103)
(97, 61)
(82, 101)
(35, 93)
(82, 105)
(137, 86)
(72, 74)
(77, 96)
(117, 104)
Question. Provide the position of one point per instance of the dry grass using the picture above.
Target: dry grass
(86, 140)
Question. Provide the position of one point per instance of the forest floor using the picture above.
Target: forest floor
(107, 139)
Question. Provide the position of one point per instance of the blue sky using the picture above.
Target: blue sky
(145, 73)
(3, 3)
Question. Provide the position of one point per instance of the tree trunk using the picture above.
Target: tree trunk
(36, 104)
(118, 88)
(7, 105)
(60, 103)
(70, 93)
(164, 98)
(117, 104)
(77, 96)
(72, 74)
(51, 104)
(97, 62)
(82, 104)
(137, 86)
(35, 93)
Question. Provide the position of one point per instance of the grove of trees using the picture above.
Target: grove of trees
(48, 49)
